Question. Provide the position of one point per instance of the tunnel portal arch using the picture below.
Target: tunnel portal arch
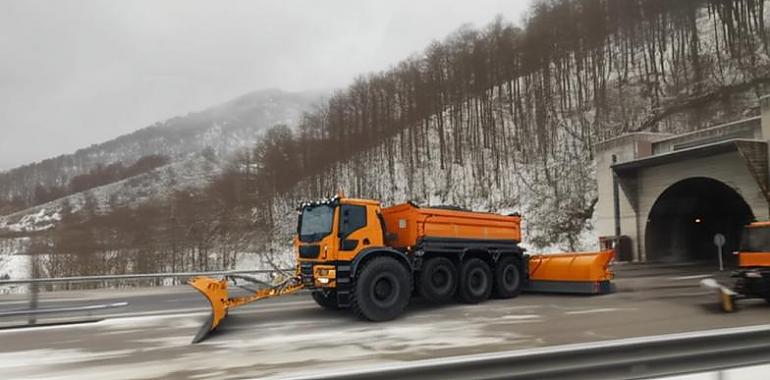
(685, 217)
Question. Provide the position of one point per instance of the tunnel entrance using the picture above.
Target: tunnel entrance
(686, 216)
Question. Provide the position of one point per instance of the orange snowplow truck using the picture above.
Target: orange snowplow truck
(353, 253)
(752, 277)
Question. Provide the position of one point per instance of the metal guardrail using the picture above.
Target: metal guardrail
(118, 277)
(665, 355)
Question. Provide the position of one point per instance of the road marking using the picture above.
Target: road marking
(3, 303)
(591, 311)
(519, 317)
(679, 278)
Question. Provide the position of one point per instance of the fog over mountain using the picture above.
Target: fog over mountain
(81, 72)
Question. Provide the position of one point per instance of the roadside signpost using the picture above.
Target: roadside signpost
(719, 241)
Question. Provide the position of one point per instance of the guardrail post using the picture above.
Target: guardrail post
(33, 289)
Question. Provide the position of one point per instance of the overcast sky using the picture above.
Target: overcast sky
(75, 73)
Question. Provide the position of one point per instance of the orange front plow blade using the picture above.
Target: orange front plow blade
(574, 272)
(215, 292)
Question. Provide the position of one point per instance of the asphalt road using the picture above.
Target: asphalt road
(150, 338)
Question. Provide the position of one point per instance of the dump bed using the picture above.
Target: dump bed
(407, 224)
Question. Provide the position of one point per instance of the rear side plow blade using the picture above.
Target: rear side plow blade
(574, 272)
(216, 293)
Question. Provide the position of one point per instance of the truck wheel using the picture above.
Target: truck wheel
(382, 289)
(475, 281)
(327, 301)
(438, 279)
(507, 278)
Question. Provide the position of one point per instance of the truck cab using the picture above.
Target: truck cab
(333, 236)
(331, 233)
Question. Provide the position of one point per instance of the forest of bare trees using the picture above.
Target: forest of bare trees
(514, 110)
(527, 104)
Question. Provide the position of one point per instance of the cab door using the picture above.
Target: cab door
(355, 230)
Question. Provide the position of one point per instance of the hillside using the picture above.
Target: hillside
(219, 131)
(193, 172)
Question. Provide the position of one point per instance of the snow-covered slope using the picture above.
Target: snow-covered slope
(156, 185)
(220, 130)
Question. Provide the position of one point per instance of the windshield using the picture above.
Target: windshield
(315, 223)
(755, 240)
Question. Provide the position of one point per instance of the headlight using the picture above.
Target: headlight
(324, 274)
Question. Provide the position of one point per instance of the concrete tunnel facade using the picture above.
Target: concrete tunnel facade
(670, 194)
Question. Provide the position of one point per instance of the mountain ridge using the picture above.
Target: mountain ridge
(221, 130)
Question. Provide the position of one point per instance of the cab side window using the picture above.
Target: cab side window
(352, 218)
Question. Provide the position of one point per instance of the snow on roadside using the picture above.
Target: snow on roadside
(14, 265)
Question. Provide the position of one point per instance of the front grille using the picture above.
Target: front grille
(306, 270)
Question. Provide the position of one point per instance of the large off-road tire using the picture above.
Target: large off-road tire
(327, 301)
(508, 277)
(382, 289)
(475, 281)
(437, 281)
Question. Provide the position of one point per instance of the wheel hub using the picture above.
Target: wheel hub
(440, 278)
(384, 290)
(477, 280)
(510, 277)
